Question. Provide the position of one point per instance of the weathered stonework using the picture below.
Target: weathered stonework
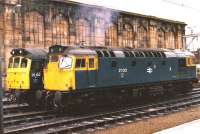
(42, 23)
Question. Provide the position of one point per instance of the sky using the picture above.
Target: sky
(187, 11)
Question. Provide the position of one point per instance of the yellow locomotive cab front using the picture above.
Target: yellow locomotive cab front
(55, 74)
(18, 73)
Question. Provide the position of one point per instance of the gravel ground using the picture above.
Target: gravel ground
(149, 126)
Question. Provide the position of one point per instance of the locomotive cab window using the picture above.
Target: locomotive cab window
(80, 63)
(16, 62)
(91, 63)
(24, 63)
(53, 58)
(10, 64)
(65, 62)
(190, 61)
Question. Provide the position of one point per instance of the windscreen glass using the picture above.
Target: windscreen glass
(24, 63)
(10, 64)
(16, 62)
(65, 62)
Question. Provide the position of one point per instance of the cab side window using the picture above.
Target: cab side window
(10, 64)
(24, 63)
(91, 62)
(80, 63)
(54, 58)
(16, 62)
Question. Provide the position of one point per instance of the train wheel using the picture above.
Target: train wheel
(57, 101)
(39, 97)
(48, 101)
(12, 97)
(31, 99)
(19, 97)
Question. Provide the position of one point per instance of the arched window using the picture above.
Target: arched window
(127, 36)
(142, 37)
(160, 39)
(34, 29)
(171, 40)
(60, 30)
(111, 35)
(83, 32)
(17, 28)
(99, 31)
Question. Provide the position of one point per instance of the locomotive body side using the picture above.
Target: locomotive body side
(131, 72)
(81, 71)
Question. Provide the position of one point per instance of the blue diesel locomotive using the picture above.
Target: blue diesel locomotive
(74, 72)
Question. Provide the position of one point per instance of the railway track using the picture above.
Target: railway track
(8, 98)
(21, 118)
(50, 122)
(14, 108)
(11, 106)
(7, 102)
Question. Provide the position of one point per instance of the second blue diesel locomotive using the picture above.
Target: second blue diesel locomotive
(73, 72)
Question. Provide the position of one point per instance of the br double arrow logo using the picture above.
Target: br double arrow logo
(149, 70)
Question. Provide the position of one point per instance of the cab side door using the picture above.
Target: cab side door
(92, 67)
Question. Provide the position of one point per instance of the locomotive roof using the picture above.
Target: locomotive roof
(80, 51)
(118, 52)
(30, 53)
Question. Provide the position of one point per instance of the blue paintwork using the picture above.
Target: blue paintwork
(107, 76)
